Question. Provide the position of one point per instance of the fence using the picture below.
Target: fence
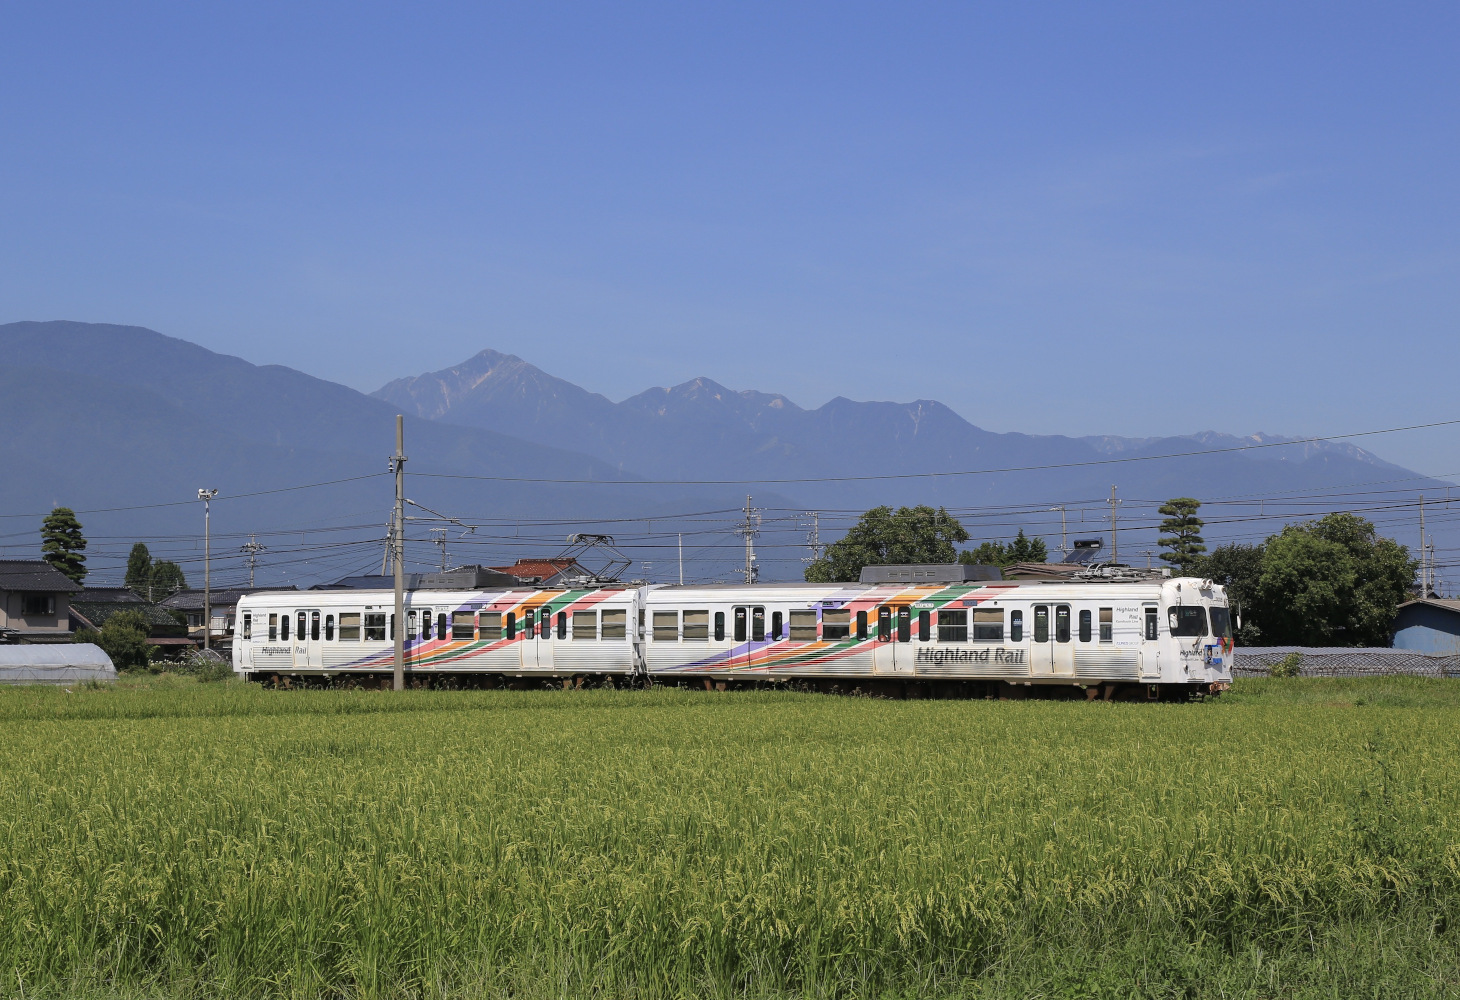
(1339, 661)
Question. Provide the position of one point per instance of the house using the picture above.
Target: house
(557, 572)
(34, 601)
(1428, 625)
(222, 608)
(93, 606)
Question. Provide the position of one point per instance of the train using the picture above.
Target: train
(1154, 638)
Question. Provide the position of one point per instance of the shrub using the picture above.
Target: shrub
(1289, 666)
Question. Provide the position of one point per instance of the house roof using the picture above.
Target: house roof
(35, 575)
(536, 569)
(1443, 603)
(96, 613)
(110, 595)
(190, 600)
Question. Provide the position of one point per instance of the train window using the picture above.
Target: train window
(1221, 623)
(299, 632)
(836, 623)
(904, 624)
(314, 626)
(1087, 631)
(719, 626)
(440, 624)
(411, 624)
(1150, 624)
(742, 616)
(511, 625)
(248, 626)
(1041, 623)
(392, 628)
(1190, 620)
(697, 626)
(1062, 623)
(925, 623)
(562, 624)
(350, 626)
(273, 627)
(666, 626)
(529, 622)
(615, 623)
(861, 624)
(1016, 626)
(1107, 624)
(757, 624)
(952, 625)
(463, 627)
(374, 627)
(803, 625)
(545, 624)
(329, 628)
(585, 625)
(988, 624)
(425, 623)
(884, 624)
(283, 628)
(777, 620)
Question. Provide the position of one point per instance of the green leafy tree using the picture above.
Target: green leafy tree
(167, 579)
(139, 569)
(908, 535)
(62, 543)
(1181, 535)
(1332, 582)
(1238, 568)
(124, 638)
(1022, 549)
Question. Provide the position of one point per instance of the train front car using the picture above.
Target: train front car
(1196, 637)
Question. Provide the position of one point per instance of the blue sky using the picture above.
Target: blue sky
(1086, 218)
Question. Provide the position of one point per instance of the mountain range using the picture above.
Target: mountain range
(126, 424)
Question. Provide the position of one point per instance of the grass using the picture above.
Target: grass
(166, 838)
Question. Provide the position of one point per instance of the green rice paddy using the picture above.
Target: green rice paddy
(1294, 838)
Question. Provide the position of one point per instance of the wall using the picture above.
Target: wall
(1427, 629)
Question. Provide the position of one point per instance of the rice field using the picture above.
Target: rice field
(1295, 838)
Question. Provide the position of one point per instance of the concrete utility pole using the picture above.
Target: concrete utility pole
(251, 556)
(440, 540)
(398, 550)
(750, 527)
(1064, 548)
(681, 559)
(1424, 569)
(207, 497)
(813, 539)
(1114, 539)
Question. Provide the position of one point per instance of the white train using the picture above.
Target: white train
(1171, 636)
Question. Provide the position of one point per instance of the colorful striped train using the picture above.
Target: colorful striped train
(1149, 638)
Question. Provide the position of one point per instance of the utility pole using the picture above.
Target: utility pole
(1424, 568)
(207, 497)
(681, 559)
(813, 538)
(1064, 548)
(251, 556)
(398, 550)
(440, 540)
(750, 528)
(1114, 539)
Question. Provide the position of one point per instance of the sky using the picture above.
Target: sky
(1115, 218)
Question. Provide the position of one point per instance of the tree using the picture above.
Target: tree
(139, 569)
(1332, 582)
(1022, 549)
(1238, 568)
(123, 636)
(62, 543)
(167, 579)
(908, 535)
(1181, 534)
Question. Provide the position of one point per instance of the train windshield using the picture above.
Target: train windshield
(1221, 623)
(1188, 621)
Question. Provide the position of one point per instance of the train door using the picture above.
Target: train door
(1150, 643)
(893, 654)
(420, 628)
(1052, 653)
(749, 631)
(540, 627)
(308, 653)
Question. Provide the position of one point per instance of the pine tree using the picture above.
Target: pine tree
(62, 543)
(139, 570)
(167, 579)
(1181, 534)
